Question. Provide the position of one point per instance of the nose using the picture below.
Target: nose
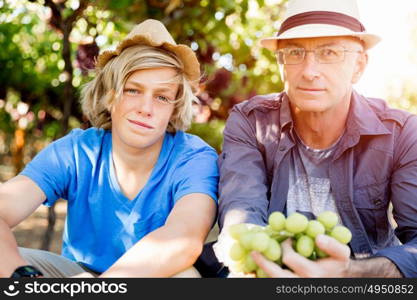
(310, 66)
(145, 105)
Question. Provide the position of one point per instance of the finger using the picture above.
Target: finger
(270, 268)
(299, 264)
(333, 247)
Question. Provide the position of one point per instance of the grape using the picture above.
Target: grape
(260, 273)
(237, 230)
(305, 246)
(315, 228)
(277, 221)
(279, 236)
(267, 239)
(279, 261)
(256, 229)
(296, 223)
(246, 240)
(260, 241)
(320, 253)
(237, 252)
(269, 231)
(273, 252)
(342, 234)
(282, 237)
(329, 219)
(249, 264)
(297, 236)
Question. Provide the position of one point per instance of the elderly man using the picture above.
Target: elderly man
(319, 145)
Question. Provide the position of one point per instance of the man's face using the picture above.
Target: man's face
(140, 118)
(318, 87)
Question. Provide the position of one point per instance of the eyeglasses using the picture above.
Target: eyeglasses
(323, 55)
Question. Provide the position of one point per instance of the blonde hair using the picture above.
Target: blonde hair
(99, 94)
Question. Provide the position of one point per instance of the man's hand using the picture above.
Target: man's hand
(222, 247)
(222, 250)
(336, 265)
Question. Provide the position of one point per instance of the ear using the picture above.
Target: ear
(281, 71)
(360, 66)
(109, 100)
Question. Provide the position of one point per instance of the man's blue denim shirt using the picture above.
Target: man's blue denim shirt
(375, 164)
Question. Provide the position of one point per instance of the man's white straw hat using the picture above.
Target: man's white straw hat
(321, 18)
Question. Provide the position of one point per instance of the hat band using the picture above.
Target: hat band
(322, 17)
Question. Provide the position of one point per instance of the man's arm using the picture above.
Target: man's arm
(243, 179)
(19, 197)
(173, 247)
(403, 191)
(373, 267)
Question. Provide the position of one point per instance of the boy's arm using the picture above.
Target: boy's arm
(173, 247)
(19, 197)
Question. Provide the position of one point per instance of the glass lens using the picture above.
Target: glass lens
(324, 55)
(330, 54)
(293, 55)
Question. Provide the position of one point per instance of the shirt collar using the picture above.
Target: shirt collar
(362, 120)
(285, 117)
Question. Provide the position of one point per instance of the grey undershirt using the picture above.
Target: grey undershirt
(309, 184)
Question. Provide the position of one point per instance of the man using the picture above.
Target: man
(141, 193)
(320, 145)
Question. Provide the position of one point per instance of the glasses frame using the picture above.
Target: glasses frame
(281, 52)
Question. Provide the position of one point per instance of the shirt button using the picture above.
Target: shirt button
(282, 148)
(377, 201)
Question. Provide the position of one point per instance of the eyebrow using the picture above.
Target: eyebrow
(159, 89)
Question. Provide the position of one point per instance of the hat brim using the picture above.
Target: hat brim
(184, 53)
(319, 30)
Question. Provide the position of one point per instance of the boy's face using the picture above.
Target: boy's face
(141, 116)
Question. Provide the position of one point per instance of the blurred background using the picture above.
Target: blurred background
(48, 49)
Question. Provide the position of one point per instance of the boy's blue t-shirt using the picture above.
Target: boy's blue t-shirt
(102, 223)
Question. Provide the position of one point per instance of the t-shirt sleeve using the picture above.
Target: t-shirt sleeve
(52, 169)
(197, 173)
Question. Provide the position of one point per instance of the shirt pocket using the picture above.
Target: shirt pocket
(371, 201)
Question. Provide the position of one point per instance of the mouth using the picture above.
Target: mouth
(141, 124)
(311, 90)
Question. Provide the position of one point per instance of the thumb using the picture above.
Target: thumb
(333, 247)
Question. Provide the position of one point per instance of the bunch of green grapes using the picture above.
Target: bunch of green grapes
(267, 240)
